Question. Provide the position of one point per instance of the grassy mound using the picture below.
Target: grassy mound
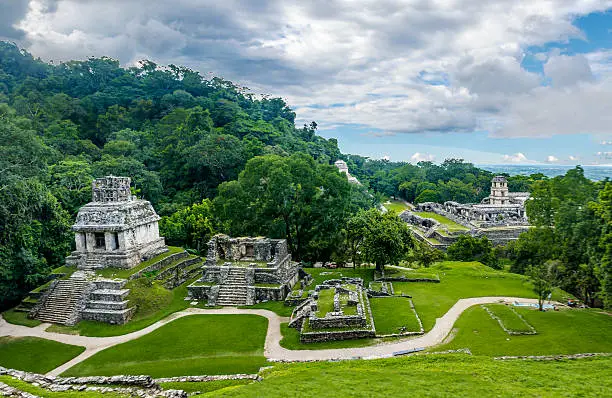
(396, 205)
(35, 355)
(559, 332)
(319, 275)
(19, 318)
(462, 280)
(447, 222)
(393, 313)
(125, 273)
(433, 376)
(204, 386)
(41, 392)
(148, 297)
(510, 319)
(193, 345)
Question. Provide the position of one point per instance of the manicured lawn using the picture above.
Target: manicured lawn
(291, 341)
(35, 355)
(19, 318)
(559, 332)
(396, 205)
(125, 273)
(462, 280)
(392, 313)
(41, 392)
(99, 329)
(275, 306)
(193, 345)
(420, 273)
(434, 376)
(448, 223)
(204, 386)
(509, 318)
(319, 275)
(325, 302)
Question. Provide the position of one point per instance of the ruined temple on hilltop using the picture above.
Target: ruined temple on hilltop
(343, 168)
(115, 229)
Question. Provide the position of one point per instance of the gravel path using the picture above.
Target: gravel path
(273, 351)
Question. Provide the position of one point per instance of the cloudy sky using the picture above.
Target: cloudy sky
(497, 81)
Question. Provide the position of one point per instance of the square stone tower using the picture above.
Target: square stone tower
(115, 229)
(499, 191)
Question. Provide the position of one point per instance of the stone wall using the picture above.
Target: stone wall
(159, 265)
(114, 318)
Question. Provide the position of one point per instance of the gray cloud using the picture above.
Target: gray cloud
(12, 13)
(369, 56)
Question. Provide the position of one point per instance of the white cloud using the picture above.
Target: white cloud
(572, 158)
(395, 65)
(422, 157)
(566, 70)
(386, 157)
(552, 159)
(516, 158)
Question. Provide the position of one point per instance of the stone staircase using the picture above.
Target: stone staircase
(62, 304)
(108, 303)
(233, 292)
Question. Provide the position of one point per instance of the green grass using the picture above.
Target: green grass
(392, 313)
(275, 306)
(99, 329)
(41, 392)
(396, 205)
(325, 302)
(319, 275)
(462, 280)
(448, 223)
(126, 273)
(19, 318)
(509, 318)
(291, 341)
(420, 273)
(204, 386)
(36, 355)
(193, 345)
(433, 376)
(559, 332)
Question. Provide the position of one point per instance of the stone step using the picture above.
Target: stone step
(108, 316)
(109, 295)
(107, 305)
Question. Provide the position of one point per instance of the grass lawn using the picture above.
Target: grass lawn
(125, 273)
(100, 329)
(433, 376)
(559, 332)
(391, 313)
(462, 280)
(41, 392)
(35, 355)
(509, 318)
(19, 318)
(204, 386)
(275, 306)
(319, 275)
(396, 205)
(291, 341)
(193, 345)
(448, 223)
(325, 302)
(420, 273)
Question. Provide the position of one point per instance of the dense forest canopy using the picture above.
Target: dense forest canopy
(213, 157)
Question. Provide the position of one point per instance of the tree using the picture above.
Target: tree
(424, 255)
(469, 248)
(190, 227)
(387, 239)
(543, 279)
(288, 197)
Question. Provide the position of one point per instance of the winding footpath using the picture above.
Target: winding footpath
(273, 350)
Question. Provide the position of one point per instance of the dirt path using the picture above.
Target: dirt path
(273, 351)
